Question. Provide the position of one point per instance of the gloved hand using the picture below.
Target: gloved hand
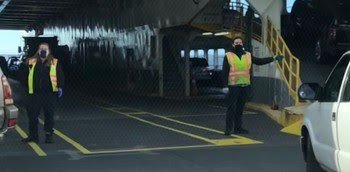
(225, 90)
(278, 58)
(60, 92)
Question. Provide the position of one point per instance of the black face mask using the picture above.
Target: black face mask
(238, 48)
(42, 53)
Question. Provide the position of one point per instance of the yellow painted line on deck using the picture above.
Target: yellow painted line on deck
(159, 125)
(244, 140)
(75, 144)
(184, 116)
(33, 145)
(152, 149)
(219, 107)
(137, 113)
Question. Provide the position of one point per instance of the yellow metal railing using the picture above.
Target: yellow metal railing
(290, 66)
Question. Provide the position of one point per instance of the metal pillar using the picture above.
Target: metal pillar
(196, 53)
(159, 55)
(187, 70)
(248, 30)
(216, 59)
(206, 54)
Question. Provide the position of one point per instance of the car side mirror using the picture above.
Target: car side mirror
(19, 49)
(309, 91)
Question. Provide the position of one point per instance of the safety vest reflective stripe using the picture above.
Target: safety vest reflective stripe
(53, 75)
(32, 62)
(239, 68)
(239, 73)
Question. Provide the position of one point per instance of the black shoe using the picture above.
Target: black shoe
(241, 131)
(49, 139)
(29, 139)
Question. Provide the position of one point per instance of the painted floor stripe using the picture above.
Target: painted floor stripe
(249, 141)
(75, 144)
(160, 126)
(244, 140)
(189, 124)
(33, 145)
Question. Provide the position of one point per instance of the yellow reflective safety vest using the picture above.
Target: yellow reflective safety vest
(53, 76)
(239, 68)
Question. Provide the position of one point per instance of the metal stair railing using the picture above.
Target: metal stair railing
(290, 66)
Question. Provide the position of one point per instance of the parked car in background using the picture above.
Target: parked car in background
(325, 138)
(8, 111)
(306, 21)
(200, 71)
(334, 41)
(4, 66)
(14, 63)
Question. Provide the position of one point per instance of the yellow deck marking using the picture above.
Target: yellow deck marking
(244, 140)
(75, 144)
(294, 129)
(33, 145)
(137, 113)
(159, 125)
(152, 149)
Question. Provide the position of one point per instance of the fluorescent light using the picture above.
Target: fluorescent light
(221, 33)
(207, 33)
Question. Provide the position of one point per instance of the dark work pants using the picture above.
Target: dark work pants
(237, 98)
(35, 103)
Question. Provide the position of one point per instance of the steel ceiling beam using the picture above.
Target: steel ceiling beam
(21, 20)
(20, 14)
(29, 13)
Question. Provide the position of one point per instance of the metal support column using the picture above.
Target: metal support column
(206, 54)
(187, 70)
(216, 59)
(159, 55)
(196, 53)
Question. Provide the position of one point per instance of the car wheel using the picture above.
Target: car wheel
(311, 162)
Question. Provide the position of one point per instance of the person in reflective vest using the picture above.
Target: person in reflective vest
(43, 79)
(236, 77)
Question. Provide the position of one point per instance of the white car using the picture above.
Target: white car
(325, 138)
(8, 111)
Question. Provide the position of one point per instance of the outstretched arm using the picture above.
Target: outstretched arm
(262, 61)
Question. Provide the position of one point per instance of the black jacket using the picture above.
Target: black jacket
(42, 81)
(257, 61)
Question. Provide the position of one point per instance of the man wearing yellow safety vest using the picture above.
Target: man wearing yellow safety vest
(236, 75)
(43, 79)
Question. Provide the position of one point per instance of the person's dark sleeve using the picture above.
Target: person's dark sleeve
(60, 76)
(24, 72)
(225, 71)
(262, 61)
